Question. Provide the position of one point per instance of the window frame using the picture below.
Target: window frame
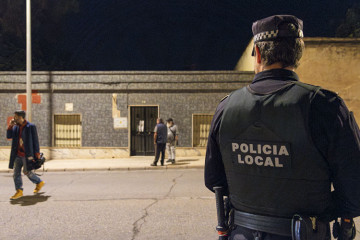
(54, 131)
(194, 115)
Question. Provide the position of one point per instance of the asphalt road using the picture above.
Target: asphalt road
(134, 205)
(153, 204)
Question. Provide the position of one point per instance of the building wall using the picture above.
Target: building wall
(178, 94)
(332, 63)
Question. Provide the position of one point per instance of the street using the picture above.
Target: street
(129, 205)
(134, 205)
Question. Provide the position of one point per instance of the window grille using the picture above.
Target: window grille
(201, 128)
(67, 130)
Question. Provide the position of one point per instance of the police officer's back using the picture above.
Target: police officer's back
(278, 145)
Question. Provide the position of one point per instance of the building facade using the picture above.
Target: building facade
(113, 114)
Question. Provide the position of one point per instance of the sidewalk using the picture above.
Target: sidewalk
(113, 164)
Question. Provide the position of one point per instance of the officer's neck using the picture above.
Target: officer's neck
(274, 66)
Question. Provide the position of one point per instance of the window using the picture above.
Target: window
(67, 130)
(201, 128)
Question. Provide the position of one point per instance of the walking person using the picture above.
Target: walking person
(277, 147)
(24, 149)
(172, 138)
(160, 136)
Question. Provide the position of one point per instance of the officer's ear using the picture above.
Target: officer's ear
(257, 55)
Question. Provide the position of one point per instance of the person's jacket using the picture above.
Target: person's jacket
(161, 131)
(30, 138)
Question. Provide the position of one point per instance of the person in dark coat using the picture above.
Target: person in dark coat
(24, 149)
(160, 138)
(279, 146)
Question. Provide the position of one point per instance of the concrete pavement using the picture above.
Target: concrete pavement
(111, 164)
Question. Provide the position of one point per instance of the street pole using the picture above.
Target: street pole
(28, 60)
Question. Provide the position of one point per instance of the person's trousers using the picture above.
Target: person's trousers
(170, 150)
(20, 162)
(159, 148)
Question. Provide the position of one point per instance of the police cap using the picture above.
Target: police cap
(277, 26)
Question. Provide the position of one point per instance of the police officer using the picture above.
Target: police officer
(278, 146)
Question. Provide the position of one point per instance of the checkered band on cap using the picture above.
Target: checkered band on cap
(263, 36)
(301, 34)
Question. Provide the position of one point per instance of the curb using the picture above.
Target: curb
(111, 169)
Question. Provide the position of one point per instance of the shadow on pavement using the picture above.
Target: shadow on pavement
(30, 200)
(183, 162)
(187, 160)
(177, 163)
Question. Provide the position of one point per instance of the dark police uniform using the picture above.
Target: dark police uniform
(278, 144)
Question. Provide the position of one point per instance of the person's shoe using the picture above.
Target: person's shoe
(153, 164)
(18, 194)
(169, 160)
(173, 161)
(39, 186)
(162, 164)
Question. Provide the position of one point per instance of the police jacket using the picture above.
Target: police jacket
(281, 167)
(30, 138)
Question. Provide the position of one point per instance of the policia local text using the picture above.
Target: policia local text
(265, 155)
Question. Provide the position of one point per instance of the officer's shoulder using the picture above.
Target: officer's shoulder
(222, 104)
(307, 86)
(326, 93)
(321, 92)
(224, 98)
(328, 99)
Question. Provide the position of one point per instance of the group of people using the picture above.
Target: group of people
(165, 136)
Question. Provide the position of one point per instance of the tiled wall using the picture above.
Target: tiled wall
(178, 95)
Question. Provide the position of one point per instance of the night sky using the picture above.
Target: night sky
(173, 34)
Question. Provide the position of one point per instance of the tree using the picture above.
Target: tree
(47, 28)
(351, 26)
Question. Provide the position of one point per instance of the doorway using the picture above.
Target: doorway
(143, 122)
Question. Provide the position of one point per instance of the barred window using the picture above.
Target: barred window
(201, 128)
(67, 130)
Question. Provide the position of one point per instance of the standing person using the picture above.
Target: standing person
(172, 138)
(160, 136)
(277, 146)
(24, 148)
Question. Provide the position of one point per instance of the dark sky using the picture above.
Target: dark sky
(175, 34)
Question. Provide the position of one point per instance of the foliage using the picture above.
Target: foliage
(47, 28)
(351, 26)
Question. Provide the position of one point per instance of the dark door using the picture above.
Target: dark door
(143, 121)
